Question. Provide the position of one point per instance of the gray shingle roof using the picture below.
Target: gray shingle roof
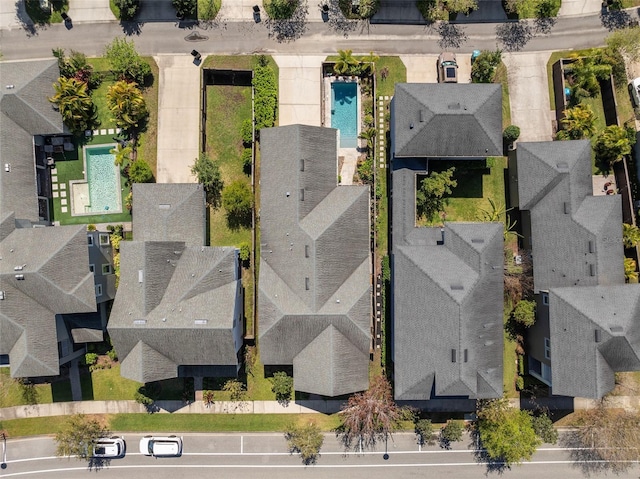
(24, 112)
(446, 297)
(582, 365)
(57, 280)
(178, 304)
(576, 238)
(169, 212)
(447, 120)
(315, 281)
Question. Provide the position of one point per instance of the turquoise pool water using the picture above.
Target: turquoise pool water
(103, 177)
(344, 112)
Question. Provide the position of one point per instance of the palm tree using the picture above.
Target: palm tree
(368, 63)
(494, 213)
(369, 134)
(127, 104)
(121, 154)
(584, 74)
(346, 63)
(75, 105)
(612, 145)
(578, 123)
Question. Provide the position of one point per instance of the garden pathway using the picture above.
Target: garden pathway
(529, 94)
(178, 118)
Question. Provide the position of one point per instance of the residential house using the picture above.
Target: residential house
(447, 282)
(44, 271)
(314, 299)
(575, 239)
(178, 311)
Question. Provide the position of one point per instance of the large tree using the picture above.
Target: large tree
(127, 105)
(626, 41)
(208, 174)
(127, 8)
(306, 440)
(78, 435)
(370, 416)
(346, 63)
(237, 199)
(506, 433)
(585, 74)
(579, 123)
(604, 439)
(484, 66)
(75, 105)
(126, 63)
(431, 191)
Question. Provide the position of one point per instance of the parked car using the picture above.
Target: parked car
(109, 447)
(634, 88)
(447, 68)
(161, 446)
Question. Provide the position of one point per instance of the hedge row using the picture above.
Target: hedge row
(266, 96)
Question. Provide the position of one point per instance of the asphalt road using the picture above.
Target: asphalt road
(318, 37)
(239, 456)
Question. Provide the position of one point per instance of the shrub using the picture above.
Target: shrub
(185, 8)
(305, 440)
(511, 133)
(525, 313)
(112, 354)
(237, 199)
(250, 357)
(91, 227)
(90, 359)
(368, 8)
(452, 432)
(247, 160)
(140, 172)
(282, 387)
(207, 397)
(245, 251)
(519, 383)
(126, 63)
(247, 132)
(280, 9)
(543, 426)
(265, 85)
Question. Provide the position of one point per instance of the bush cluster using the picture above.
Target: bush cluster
(265, 84)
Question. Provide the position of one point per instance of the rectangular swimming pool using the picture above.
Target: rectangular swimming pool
(344, 112)
(103, 179)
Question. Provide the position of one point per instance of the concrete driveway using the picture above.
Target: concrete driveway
(94, 11)
(178, 118)
(9, 14)
(299, 89)
(424, 68)
(529, 95)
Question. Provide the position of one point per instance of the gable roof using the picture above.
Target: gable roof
(24, 112)
(447, 120)
(315, 280)
(169, 212)
(595, 332)
(53, 278)
(576, 237)
(176, 305)
(447, 291)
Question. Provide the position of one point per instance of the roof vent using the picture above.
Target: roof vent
(562, 166)
(10, 87)
(617, 329)
(592, 269)
(597, 335)
(411, 126)
(164, 206)
(19, 277)
(306, 284)
(477, 240)
(7, 167)
(453, 356)
(1, 295)
(139, 321)
(301, 165)
(200, 321)
(457, 287)
(488, 343)
(18, 268)
(453, 106)
(306, 251)
(301, 194)
(421, 116)
(140, 275)
(466, 355)
(567, 210)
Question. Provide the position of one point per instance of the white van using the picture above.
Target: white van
(161, 446)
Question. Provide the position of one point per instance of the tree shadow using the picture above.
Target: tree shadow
(482, 457)
(451, 35)
(290, 29)
(336, 19)
(98, 463)
(514, 35)
(236, 221)
(543, 25)
(131, 27)
(25, 20)
(585, 458)
(615, 19)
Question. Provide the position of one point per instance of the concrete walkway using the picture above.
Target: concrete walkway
(92, 11)
(178, 118)
(529, 95)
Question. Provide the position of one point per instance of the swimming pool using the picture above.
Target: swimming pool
(344, 112)
(103, 178)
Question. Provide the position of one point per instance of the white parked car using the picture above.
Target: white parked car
(634, 87)
(109, 447)
(161, 446)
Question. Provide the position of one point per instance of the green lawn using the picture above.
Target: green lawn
(258, 386)
(204, 5)
(397, 73)
(107, 384)
(11, 392)
(501, 77)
